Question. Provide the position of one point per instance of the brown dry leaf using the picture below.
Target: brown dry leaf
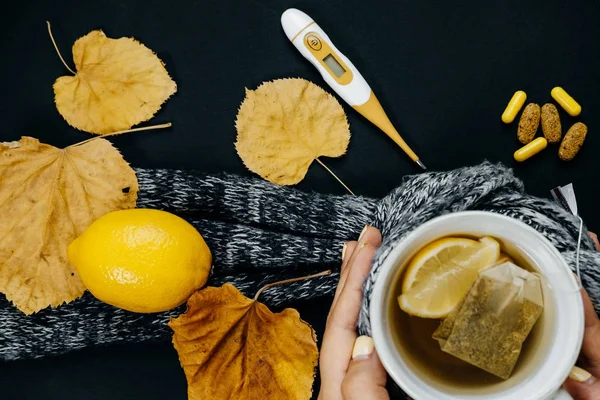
(232, 347)
(284, 125)
(49, 196)
(119, 83)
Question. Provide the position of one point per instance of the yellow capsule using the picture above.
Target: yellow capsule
(567, 102)
(531, 149)
(513, 107)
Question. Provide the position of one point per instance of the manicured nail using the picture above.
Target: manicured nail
(363, 347)
(365, 229)
(344, 251)
(581, 375)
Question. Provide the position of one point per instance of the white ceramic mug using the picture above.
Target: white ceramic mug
(554, 354)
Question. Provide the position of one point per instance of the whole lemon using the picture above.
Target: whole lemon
(141, 260)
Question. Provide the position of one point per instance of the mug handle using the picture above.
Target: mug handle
(562, 394)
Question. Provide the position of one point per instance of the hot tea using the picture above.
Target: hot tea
(414, 338)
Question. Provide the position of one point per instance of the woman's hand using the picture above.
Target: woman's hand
(583, 383)
(350, 368)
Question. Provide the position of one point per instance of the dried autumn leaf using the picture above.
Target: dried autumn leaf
(284, 125)
(119, 83)
(232, 347)
(49, 196)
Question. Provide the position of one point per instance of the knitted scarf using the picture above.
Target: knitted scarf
(261, 233)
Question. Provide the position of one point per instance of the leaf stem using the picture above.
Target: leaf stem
(58, 51)
(143, 128)
(335, 176)
(270, 285)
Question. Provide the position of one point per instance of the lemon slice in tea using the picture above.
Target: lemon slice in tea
(441, 273)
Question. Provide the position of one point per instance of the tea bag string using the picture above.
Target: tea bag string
(565, 196)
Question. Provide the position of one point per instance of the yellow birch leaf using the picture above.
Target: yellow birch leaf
(119, 83)
(232, 347)
(48, 197)
(286, 124)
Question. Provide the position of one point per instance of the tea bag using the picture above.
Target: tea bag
(488, 328)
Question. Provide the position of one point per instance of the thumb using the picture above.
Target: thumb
(581, 385)
(365, 378)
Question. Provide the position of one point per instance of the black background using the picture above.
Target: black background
(444, 72)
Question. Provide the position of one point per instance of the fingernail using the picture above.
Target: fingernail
(363, 347)
(365, 229)
(581, 375)
(344, 251)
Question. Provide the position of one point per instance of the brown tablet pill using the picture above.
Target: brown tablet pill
(529, 123)
(551, 123)
(572, 141)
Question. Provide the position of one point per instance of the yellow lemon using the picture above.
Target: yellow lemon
(441, 273)
(141, 260)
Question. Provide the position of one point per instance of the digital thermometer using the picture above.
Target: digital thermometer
(339, 72)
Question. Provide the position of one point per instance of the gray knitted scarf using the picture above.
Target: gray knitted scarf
(261, 233)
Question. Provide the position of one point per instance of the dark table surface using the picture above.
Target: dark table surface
(444, 71)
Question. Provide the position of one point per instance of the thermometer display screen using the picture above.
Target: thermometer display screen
(334, 65)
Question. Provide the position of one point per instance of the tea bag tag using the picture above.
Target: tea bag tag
(565, 196)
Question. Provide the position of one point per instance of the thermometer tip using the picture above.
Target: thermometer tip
(421, 164)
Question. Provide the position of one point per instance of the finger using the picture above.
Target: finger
(595, 240)
(340, 331)
(344, 314)
(587, 389)
(591, 336)
(366, 377)
(349, 249)
(369, 235)
(336, 349)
